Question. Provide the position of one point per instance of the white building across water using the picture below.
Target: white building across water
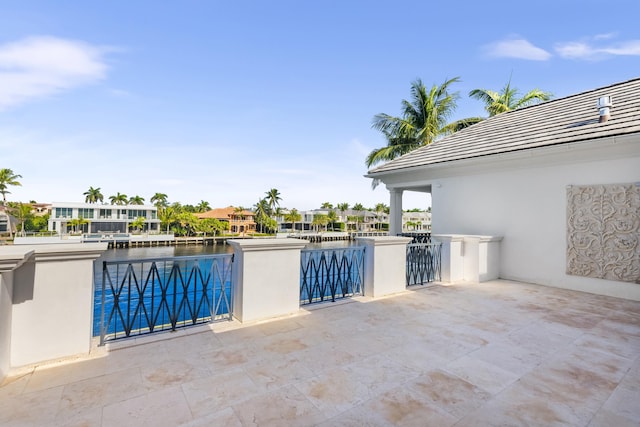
(93, 218)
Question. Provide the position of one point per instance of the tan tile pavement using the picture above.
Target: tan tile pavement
(499, 353)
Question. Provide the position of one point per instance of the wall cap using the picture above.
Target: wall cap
(68, 252)
(12, 258)
(256, 245)
(384, 240)
(465, 237)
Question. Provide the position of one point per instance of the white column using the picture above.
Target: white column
(395, 212)
(53, 303)
(266, 277)
(11, 258)
(452, 257)
(385, 265)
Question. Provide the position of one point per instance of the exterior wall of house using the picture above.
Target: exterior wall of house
(6, 290)
(527, 207)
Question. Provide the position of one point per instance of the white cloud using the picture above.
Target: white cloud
(516, 48)
(35, 67)
(591, 50)
(605, 36)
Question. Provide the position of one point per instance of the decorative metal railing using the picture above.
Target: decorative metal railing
(423, 263)
(417, 236)
(330, 274)
(149, 295)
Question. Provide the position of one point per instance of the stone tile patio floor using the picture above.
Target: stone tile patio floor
(499, 353)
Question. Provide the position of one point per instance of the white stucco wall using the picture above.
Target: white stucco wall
(6, 287)
(53, 303)
(527, 206)
(266, 276)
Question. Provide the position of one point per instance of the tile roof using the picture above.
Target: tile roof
(560, 121)
(224, 213)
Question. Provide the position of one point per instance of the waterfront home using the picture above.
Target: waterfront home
(558, 182)
(6, 221)
(240, 220)
(92, 218)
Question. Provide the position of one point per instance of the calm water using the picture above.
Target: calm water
(164, 252)
(170, 251)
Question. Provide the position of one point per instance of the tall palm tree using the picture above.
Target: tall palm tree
(93, 195)
(273, 198)
(332, 217)
(507, 99)
(342, 207)
(136, 200)
(262, 212)
(23, 213)
(167, 216)
(293, 216)
(8, 177)
(159, 200)
(203, 206)
(380, 208)
(118, 199)
(424, 119)
(326, 205)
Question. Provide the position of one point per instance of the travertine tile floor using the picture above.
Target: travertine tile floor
(499, 353)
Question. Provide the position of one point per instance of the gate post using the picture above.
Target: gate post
(266, 277)
(385, 265)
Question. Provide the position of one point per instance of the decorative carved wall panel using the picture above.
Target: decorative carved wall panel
(603, 231)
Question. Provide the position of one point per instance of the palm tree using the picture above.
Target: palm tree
(93, 195)
(77, 223)
(380, 208)
(167, 216)
(159, 200)
(326, 205)
(138, 223)
(203, 206)
(273, 198)
(118, 199)
(342, 207)
(424, 119)
(507, 99)
(358, 207)
(262, 213)
(21, 212)
(136, 200)
(332, 217)
(7, 177)
(320, 220)
(293, 216)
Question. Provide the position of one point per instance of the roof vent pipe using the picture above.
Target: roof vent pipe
(604, 105)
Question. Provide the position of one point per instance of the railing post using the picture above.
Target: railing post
(266, 274)
(53, 303)
(385, 266)
(469, 258)
(451, 257)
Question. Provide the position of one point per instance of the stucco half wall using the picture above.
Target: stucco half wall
(527, 206)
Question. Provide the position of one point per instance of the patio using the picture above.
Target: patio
(496, 353)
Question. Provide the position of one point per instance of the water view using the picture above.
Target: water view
(191, 289)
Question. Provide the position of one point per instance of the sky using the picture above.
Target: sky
(223, 100)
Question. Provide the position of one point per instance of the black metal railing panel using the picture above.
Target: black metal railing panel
(149, 295)
(417, 236)
(330, 274)
(423, 263)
